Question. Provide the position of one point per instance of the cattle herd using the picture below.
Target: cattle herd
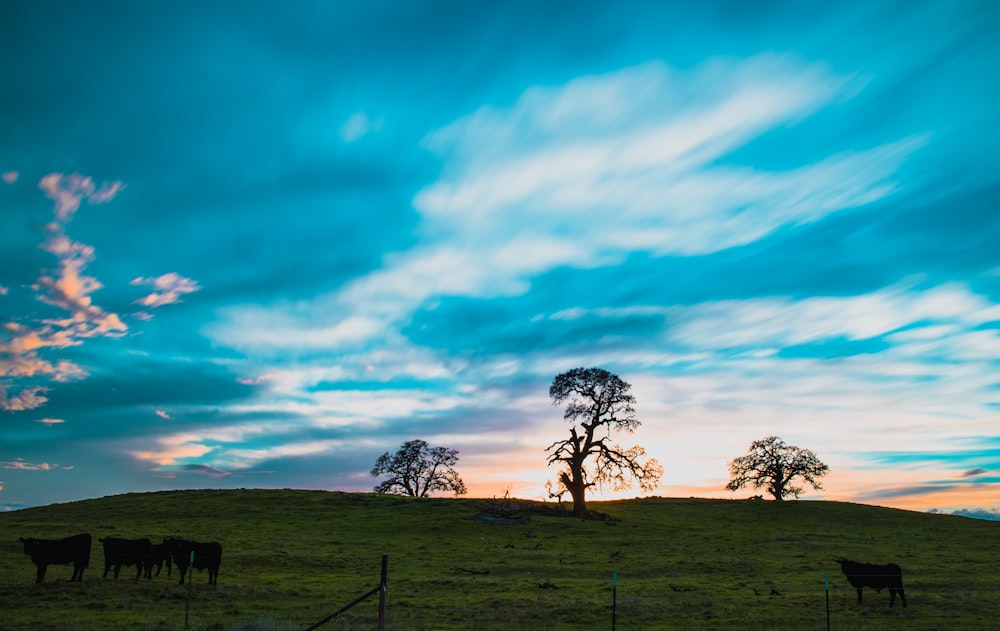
(141, 553)
(145, 555)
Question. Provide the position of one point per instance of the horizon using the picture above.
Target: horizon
(541, 500)
(258, 246)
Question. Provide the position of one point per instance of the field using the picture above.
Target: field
(292, 557)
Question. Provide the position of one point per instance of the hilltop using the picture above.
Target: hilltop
(291, 557)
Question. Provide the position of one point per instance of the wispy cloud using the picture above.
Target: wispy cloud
(992, 514)
(205, 470)
(50, 421)
(67, 288)
(170, 450)
(70, 289)
(256, 381)
(357, 126)
(162, 414)
(168, 289)
(22, 465)
(584, 173)
(910, 315)
(26, 399)
(68, 191)
(10, 176)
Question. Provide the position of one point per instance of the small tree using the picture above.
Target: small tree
(598, 402)
(772, 465)
(418, 469)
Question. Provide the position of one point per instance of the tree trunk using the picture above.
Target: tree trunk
(577, 489)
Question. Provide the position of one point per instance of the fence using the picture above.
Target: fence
(381, 590)
(829, 602)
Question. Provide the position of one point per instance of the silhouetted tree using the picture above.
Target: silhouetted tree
(772, 465)
(597, 403)
(418, 469)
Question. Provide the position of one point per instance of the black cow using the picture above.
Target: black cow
(161, 555)
(46, 552)
(206, 555)
(878, 577)
(128, 552)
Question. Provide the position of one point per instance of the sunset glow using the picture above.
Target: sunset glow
(260, 245)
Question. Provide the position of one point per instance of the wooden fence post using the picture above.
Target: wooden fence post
(826, 587)
(382, 591)
(187, 607)
(614, 601)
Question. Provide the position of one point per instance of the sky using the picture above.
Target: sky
(258, 244)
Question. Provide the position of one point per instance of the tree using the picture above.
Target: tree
(771, 464)
(418, 469)
(598, 403)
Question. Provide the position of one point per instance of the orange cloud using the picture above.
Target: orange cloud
(168, 289)
(67, 287)
(69, 190)
(27, 399)
(172, 449)
(20, 464)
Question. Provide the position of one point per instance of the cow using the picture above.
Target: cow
(46, 552)
(161, 555)
(128, 552)
(878, 577)
(206, 555)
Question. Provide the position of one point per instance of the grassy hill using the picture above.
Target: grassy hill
(292, 557)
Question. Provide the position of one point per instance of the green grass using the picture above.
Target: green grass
(292, 557)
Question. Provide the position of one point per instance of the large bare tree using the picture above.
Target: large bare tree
(418, 469)
(597, 403)
(772, 465)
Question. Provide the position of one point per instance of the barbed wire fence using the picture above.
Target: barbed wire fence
(619, 603)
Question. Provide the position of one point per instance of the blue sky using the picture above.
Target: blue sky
(252, 245)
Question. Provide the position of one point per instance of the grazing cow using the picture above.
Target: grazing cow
(46, 552)
(861, 575)
(128, 552)
(161, 555)
(206, 555)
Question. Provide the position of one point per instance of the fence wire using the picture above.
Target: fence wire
(632, 606)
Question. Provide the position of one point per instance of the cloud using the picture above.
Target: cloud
(3, 290)
(992, 514)
(168, 289)
(69, 190)
(27, 399)
(248, 458)
(908, 316)
(21, 465)
(162, 414)
(69, 288)
(357, 126)
(624, 162)
(10, 176)
(170, 452)
(50, 421)
(973, 472)
(256, 381)
(585, 173)
(205, 470)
